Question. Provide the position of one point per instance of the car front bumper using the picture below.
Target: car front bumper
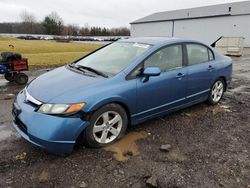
(54, 134)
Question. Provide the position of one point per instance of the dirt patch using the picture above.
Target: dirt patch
(44, 176)
(126, 147)
(5, 133)
(221, 109)
(176, 155)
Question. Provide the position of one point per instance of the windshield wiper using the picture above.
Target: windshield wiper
(76, 69)
(71, 66)
(80, 67)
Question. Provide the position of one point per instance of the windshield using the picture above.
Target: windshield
(113, 58)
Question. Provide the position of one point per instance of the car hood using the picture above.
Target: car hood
(61, 83)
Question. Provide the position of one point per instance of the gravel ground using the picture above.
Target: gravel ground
(202, 146)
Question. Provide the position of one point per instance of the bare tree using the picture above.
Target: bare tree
(28, 21)
(55, 17)
(72, 30)
(27, 17)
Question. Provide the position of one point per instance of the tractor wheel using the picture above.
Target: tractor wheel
(21, 78)
(10, 76)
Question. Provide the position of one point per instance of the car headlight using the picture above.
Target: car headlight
(60, 109)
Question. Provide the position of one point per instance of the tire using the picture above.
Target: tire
(101, 131)
(216, 92)
(10, 76)
(21, 78)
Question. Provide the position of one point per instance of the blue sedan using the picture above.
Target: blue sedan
(124, 83)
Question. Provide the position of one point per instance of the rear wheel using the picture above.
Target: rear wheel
(216, 92)
(21, 78)
(10, 76)
(107, 125)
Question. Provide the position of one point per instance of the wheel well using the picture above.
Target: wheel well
(125, 107)
(225, 82)
(87, 115)
(80, 138)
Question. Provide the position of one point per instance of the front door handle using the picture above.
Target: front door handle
(180, 75)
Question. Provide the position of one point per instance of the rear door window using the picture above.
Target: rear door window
(197, 54)
(211, 55)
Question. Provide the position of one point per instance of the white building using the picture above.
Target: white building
(203, 23)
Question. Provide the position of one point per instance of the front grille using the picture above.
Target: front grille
(21, 125)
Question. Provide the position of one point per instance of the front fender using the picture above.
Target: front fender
(123, 92)
(102, 102)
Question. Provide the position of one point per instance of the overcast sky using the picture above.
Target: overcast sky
(109, 13)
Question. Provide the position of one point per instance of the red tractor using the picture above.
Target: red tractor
(12, 65)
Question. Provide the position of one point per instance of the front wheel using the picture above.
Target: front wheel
(216, 92)
(107, 125)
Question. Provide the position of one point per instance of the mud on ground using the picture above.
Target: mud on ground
(208, 146)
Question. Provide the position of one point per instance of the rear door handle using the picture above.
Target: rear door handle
(180, 75)
(210, 68)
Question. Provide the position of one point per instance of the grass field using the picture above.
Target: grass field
(43, 54)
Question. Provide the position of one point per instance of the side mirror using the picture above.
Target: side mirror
(150, 71)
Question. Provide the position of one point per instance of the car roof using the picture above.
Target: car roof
(155, 40)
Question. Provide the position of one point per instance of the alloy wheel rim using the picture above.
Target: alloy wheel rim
(217, 91)
(107, 127)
